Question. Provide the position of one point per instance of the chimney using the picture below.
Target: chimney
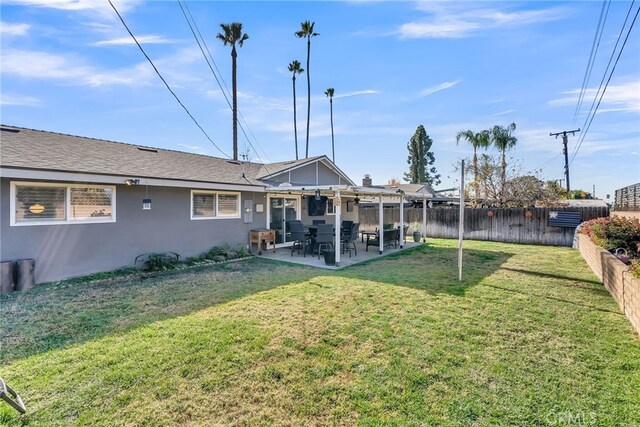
(366, 181)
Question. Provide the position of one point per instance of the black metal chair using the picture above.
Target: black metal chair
(298, 236)
(324, 238)
(349, 238)
(346, 226)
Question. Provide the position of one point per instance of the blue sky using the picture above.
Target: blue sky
(69, 66)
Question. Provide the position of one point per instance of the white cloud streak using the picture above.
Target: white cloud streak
(43, 65)
(442, 86)
(619, 97)
(11, 29)
(10, 99)
(95, 7)
(143, 39)
(458, 20)
(356, 93)
(502, 113)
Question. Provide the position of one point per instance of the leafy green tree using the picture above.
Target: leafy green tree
(295, 68)
(503, 140)
(329, 92)
(306, 31)
(420, 159)
(477, 140)
(231, 35)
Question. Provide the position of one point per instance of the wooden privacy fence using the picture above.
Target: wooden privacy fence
(495, 224)
(628, 198)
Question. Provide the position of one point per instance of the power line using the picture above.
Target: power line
(216, 74)
(592, 56)
(547, 162)
(164, 81)
(594, 110)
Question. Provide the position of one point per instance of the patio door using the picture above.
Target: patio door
(281, 210)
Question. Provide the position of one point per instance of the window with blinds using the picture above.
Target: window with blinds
(90, 202)
(204, 205)
(210, 204)
(38, 203)
(34, 204)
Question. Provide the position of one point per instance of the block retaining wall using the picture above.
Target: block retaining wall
(618, 280)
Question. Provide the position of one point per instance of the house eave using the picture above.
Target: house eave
(70, 176)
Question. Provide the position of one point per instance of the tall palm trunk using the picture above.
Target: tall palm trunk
(503, 175)
(234, 87)
(308, 95)
(475, 172)
(295, 120)
(333, 149)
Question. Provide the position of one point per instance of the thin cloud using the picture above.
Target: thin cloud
(357, 93)
(100, 8)
(10, 29)
(144, 39)
(43, 65)
(8, 99)
(502, 113)
(620, 97)
(452, 20)
(442, 86)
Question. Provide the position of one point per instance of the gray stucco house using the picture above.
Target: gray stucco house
(80, 205)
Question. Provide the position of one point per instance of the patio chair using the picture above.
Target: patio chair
(349, 238)
(298, 236)
(391, 238)
(324, 238)
(346, 226)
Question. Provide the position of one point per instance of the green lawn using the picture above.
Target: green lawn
(528, 338)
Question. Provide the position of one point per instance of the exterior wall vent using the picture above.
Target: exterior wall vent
(150, 150)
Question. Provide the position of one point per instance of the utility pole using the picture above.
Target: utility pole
(565, 140)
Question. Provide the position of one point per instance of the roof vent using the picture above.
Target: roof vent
(4, 129)
(150, 150)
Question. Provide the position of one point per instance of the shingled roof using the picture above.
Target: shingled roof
(35, 149)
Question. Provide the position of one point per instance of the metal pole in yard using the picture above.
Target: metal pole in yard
(461, 222)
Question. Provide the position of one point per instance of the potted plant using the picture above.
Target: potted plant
(417, 235)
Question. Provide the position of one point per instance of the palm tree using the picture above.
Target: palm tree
(232, 34)
(502, 139)
(329, 92)
(295, 68)
(477, 140)
(306, 31)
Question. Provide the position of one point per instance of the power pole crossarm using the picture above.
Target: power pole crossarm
(565, 141)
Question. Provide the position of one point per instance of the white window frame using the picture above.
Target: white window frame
(332, 211)
(67, 202)
(217, 216)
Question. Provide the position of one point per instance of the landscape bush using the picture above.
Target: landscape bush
(613, 233)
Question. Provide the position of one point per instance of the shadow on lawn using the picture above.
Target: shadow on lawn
(430, 268)
(53, 317)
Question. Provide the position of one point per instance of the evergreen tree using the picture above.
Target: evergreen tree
(420, 159)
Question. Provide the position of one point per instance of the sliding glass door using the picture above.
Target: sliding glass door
(281, 210)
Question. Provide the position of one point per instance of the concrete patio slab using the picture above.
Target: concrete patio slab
(284, 254)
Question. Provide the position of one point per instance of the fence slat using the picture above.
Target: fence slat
(506, 225)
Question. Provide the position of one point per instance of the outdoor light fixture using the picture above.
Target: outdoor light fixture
(356, 200)
(132, 181)
(318, 194)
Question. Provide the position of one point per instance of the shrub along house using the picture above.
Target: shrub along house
(80, 205)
